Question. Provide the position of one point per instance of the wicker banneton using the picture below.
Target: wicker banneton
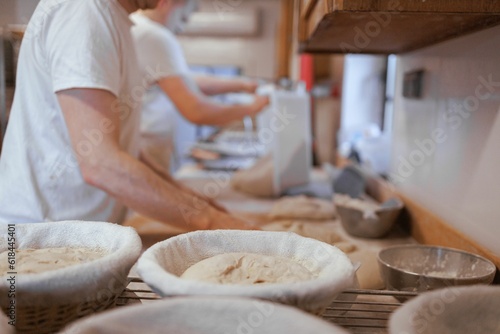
(162, 265)
(204, 315)
(48, 301)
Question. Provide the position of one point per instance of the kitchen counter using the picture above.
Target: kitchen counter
(216, 184)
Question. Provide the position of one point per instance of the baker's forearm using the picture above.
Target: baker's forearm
(210, 113)
(199, 109)
(167, 177)
(138, 187)
(125, 178)
(151, 163)
(214, 86)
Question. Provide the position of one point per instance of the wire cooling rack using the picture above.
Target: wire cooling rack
(359, 311)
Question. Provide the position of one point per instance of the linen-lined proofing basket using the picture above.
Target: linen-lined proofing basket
(161, 265)
(48, 301)
(204, 315)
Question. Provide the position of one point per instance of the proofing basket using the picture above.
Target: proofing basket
(161, 265)
(47, 301)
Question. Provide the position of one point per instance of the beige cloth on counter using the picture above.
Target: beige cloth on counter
(302, 207)
(306, 229)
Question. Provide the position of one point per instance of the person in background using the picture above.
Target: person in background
(171, 86)
(71, 151)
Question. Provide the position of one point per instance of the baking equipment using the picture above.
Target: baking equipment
(422, 268)
(284, 128)
(350, 181)
(364, 224)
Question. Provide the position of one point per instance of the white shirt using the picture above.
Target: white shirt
(160, 55)
(68, 44)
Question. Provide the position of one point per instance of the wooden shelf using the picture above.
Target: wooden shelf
(389, 26)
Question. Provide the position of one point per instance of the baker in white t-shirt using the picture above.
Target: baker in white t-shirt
(71, 148)
(172, 87)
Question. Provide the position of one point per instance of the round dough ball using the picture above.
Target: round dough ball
(302, 207)
(314, 230)
(247, 268)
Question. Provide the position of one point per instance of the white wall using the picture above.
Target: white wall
(255, 55)
(446, 145)
(16, 11)
(363, 92)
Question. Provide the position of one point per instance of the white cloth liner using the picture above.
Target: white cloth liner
(455, 310)
(204, 315)
(162, 264)
(96, 280)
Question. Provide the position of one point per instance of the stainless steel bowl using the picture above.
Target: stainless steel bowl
(376, 225)
(421, 268)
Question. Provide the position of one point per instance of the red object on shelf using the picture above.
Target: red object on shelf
(307, 70)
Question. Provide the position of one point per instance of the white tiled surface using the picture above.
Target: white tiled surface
(459, 180)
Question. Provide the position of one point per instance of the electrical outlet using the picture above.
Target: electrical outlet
(413, 84)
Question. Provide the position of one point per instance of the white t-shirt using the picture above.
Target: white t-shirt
(160, 55)
(68, 44)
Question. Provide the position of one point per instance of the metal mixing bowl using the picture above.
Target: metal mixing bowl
(358, 224)
(421, 268)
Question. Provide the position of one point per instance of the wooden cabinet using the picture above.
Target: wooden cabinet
(389, 26)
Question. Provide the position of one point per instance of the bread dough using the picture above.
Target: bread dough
(34, 261)
(257, 180)
(302, 207)
(306, 229)
(368, 273)
(247, 268)
(355, 203)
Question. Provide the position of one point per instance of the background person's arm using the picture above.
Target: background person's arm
(211, 85)
(116, 172)
(200, 109)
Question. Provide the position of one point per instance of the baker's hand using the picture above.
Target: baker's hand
(209, 200)
(258, 104)
(250, 86)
